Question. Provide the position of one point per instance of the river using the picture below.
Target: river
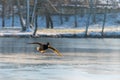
(83, 59)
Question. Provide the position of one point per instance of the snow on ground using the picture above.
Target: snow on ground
(67, 29)
(78, 33)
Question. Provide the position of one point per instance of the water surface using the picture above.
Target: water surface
(83, 59)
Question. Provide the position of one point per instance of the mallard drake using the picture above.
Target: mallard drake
(43, 47)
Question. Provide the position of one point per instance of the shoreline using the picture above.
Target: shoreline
(61, 36)
(62, 33)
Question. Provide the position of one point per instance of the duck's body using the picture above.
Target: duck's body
(43, 47)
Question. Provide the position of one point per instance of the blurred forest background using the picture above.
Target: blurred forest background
(28, 11)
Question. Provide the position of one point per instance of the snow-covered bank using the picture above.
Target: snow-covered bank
(13, 32)
(68, 33)
(79, 33)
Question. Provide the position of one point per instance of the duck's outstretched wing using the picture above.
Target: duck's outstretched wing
(36, 43)
(55, 51)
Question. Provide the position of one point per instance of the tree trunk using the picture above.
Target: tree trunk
(35, 17)
(49, 22)
(89, 15)
(36, 25)
(13, 16)
(22, 21)
(75, 14)
(94, 13)
(61, 13)
(61, 17)
(82, 12)
(3, 13)
(28, 16)
(104, 20)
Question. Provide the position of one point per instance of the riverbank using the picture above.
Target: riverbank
(63, 33)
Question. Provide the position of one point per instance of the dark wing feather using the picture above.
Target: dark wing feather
(55, 51)
(36, 43)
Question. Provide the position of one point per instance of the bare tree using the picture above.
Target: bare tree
(36, 26)
(75, 14)
(28, 15)
(60, 12)
(89, 15)
(3, 13)
(47, 6)
(22, 21)
(33, 13)
(35, 17)
(12, 11)
(94, 11)
(104, 20)
(49, 22)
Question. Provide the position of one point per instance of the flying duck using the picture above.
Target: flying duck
(43, 47)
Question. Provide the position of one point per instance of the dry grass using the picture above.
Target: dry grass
(60, 31)
(75, 31)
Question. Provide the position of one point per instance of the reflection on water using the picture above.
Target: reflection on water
(84, 59)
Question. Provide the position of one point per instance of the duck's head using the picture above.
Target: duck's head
(48, 43)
